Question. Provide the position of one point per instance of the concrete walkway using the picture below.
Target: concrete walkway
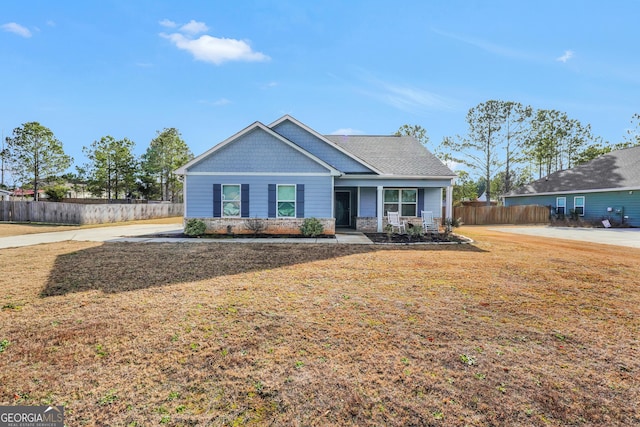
(609, 236)
(144, 232)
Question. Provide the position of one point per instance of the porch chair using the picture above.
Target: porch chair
(394, 221)
(429, 223)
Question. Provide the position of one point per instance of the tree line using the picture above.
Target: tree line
(37, 159)
(508, 144)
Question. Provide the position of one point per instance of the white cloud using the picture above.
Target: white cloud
(18, 29)
(194, 27)
(568, 54)
(216, 50)
(51, 23)
(347, 131)
(167, 23)
(217, 103)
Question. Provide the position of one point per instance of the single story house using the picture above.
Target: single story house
(607, 187)
(285, 172)
(5, 194)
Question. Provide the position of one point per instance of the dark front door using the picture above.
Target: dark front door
(343, 209)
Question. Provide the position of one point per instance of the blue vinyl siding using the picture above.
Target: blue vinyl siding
(368, 205)
(595, 204)
(319, 148)
(257, 151)
(318, 196)
(433, 201)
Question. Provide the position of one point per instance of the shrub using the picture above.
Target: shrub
(255, 225)
(311, 227)
(56, 193)
(451, 223)
(195, 227)
(415, 231)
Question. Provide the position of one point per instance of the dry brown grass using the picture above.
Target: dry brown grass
(15, 229)
(513, 330)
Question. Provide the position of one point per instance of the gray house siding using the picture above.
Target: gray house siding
(596, 204)
(199, 193)
(319, 148)
(257, 151)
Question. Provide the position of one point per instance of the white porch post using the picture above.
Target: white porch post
(380, 208)
(449, 201)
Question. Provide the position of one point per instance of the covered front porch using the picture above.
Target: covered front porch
(364, 206)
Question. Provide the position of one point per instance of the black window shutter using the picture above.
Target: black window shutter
(272, 201)
(244, 200)
(217, 200)
(420, 201)
(300, 201)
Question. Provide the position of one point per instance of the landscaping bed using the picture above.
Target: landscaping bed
(406, 239)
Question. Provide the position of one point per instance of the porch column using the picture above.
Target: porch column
(449, 201)
(380, 209)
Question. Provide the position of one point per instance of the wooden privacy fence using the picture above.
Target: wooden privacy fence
(77, 214)
(487, 215)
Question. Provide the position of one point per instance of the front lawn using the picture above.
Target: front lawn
(512, 330)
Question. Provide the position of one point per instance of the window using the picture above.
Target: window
(403, 200)
(561, 204)
(578, 205)
(230, 200)
(286, 201)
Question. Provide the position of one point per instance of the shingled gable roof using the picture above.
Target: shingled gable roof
(325, 139)
(256, 125)
(394, 155)
(616, 171)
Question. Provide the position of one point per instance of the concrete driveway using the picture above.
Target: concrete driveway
(99, 234)
(608, 236)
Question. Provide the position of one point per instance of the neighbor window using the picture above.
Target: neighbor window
(286, 201)
(403, 200)
(578, 205)
(561, 204)
(231, 200)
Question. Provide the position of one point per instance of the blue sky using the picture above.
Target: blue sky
(126, 68)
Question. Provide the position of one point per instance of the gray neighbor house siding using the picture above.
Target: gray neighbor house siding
(338, 180)
(606, 187)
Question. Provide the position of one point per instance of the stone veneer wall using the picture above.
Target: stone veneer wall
(272, 225)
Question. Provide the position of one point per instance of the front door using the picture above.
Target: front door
(343, 208)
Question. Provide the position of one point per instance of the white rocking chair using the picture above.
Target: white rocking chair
(429, 223)
(394, 221)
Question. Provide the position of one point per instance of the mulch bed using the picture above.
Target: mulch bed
(408, 239)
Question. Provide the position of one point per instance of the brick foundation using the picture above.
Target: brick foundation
(286, 226)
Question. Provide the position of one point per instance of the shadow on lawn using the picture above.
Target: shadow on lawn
(123, 267)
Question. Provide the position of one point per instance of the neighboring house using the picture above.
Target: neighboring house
(605, 187)
(285, 172)
(5, 195)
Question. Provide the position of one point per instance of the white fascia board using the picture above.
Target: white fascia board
(553, 193)
(243, 173)
(364, 176)
(323, 139)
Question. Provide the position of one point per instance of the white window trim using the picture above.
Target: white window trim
(583, 206)
(222, 200)
(399, 204)
(295, 201)
(563, 207)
